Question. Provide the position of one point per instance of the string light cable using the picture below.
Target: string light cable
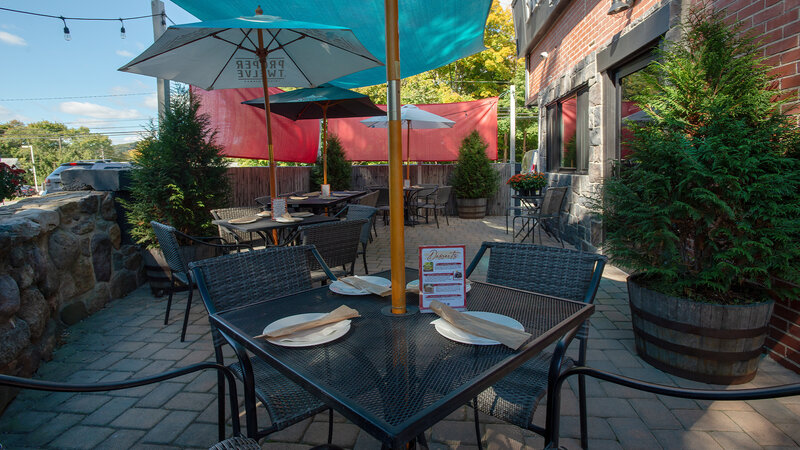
(68, 36)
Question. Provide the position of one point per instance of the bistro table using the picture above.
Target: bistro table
(528, 205)
(264, 225)
(317, 203)
(396, 376)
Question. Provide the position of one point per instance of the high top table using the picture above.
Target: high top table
(396, 376)
(318, 203)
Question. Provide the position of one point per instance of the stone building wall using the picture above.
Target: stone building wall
(61, 259)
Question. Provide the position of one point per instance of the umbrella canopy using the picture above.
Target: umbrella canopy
(233, 53)
(324, 102)
(411, 117)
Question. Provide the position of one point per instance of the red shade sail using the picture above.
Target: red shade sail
(241, 130)
(370, 144)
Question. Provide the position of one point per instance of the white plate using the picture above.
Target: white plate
(297, 197)
(243, 220)
(302, 214)
(345, 289)
(315, 336)
(414, 285)
(455, 334)
(264, 214)
(288, 220)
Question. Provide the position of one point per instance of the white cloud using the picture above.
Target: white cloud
(8, 115)
(151, 101)
(125, 53)
(97, 111)
(12, 39)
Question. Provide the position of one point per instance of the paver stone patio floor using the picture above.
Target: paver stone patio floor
(128, 339)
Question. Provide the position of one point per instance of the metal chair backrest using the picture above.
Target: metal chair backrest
(336, 242)
(428, 189)
(356, 212)
(383, 196)
(553, 201)
(239, 279)
(234, 213)
(370, 199)
(170, 247)
(265, 201)
(559, 272)
(443, 195)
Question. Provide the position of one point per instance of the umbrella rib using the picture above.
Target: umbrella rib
(340, 47)
(235, 48)
(283, 46)
(179, 46)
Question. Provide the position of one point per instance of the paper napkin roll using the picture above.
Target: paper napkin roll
(341, 313)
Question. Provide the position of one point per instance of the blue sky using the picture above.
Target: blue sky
(39, 64)
(76, 82)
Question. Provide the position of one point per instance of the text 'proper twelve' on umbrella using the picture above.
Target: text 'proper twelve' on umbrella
(411, 118)
(248, 51)
(324, 102)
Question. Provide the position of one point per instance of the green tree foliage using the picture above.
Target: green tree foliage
(474, 176)
(53, 144)
(339, 168)
(709, 206)
(181, 175)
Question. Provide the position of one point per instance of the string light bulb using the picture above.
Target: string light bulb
(122, 30)
(67, 36)
(163, 19)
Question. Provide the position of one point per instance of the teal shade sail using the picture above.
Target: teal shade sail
(433, 33)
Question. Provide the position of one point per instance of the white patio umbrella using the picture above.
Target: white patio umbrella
(233, 53)
(411, 118)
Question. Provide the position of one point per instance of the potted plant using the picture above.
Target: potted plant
(527, 184)
(474, 179)
(706, 211)
(179, 177)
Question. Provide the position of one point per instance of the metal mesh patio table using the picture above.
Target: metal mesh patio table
(396, 376)
(265, 225)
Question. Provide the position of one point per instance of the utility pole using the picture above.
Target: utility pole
(159, 26)
(33, 165)
(512, 115)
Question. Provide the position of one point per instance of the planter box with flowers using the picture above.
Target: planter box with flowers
(528, 184)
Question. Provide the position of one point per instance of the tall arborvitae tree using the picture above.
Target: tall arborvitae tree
(709, 206)
(180, 175)
(339, 168)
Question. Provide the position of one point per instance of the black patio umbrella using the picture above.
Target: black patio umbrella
(324, 102)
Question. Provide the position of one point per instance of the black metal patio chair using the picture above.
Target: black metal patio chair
(234, 236)
(355, 212)
(238, 279)
(177, 259)
(336, 242)
(225, 374)
(546, 217)
(558, 272)
(554, 401)
(438, 203)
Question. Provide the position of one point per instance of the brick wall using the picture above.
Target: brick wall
(783, 341)
(583, 29)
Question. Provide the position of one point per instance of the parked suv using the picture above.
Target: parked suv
(53, 181)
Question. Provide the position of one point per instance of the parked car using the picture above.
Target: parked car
(26, 191)
(53, 181)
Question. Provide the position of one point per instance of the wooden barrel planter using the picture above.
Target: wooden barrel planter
(719, 344)
(471, 208)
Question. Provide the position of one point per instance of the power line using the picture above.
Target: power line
(72, 97)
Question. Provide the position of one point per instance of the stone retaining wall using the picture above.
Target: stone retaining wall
(61, 259)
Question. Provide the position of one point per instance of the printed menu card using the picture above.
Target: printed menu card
(441, 276)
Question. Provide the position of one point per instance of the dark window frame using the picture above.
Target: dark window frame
(554, 132)
(632, 66)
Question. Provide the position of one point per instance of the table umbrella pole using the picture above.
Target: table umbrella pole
(408, 152)
(325, 144)
(396, 224)
(262, 60)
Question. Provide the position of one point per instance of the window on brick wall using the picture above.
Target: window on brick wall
(567, 131)
(627, 80)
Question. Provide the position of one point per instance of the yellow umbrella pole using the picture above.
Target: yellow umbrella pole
(408, 152)
(395, 159)
(262, 60)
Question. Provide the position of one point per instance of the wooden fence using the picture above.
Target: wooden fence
(247, 183)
